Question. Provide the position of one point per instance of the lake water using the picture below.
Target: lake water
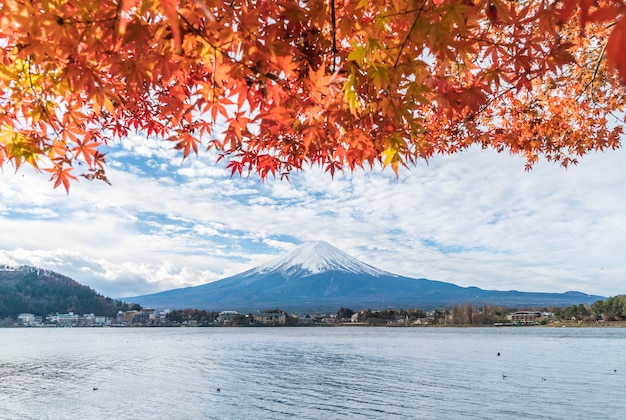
(313, 373)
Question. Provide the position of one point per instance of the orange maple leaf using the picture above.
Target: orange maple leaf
(187, 143)
(88, 149)
(63, 176)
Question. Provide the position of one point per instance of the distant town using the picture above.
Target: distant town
(147, 317)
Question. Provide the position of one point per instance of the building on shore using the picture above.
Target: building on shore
(227, 317)
(273, 318)
(525, 317)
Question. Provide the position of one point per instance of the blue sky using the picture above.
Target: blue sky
(474, 219)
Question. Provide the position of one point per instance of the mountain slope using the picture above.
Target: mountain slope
(319, 277)
(42, 292)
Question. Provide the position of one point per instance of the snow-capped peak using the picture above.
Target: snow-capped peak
(317, 257)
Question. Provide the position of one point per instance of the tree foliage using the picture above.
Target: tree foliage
(611, 309)
(469, 314)
(574, 312)
(200, 316)
(344, 313)
(43, 292)
(277, 85)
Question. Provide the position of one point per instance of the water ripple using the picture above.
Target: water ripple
(311, 373)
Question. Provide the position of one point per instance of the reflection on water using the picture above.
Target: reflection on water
(269, 373)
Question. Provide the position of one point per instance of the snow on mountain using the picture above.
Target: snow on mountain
(317, 257)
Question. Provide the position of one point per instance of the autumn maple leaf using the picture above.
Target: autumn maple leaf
(62, 176)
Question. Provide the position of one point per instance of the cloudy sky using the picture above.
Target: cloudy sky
(473, 219)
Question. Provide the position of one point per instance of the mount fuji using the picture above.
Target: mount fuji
(319, 277)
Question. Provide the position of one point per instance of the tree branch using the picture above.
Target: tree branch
(408, 35)
(334, 32)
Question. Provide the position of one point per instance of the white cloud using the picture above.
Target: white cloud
(475, 218)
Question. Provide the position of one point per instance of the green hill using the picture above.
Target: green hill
(42, 292)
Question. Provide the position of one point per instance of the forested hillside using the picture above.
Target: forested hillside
(41, 292)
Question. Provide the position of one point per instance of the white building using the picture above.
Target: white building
(67, 319)
(227, 317)
(26, 318)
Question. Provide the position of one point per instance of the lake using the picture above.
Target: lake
(313, 373)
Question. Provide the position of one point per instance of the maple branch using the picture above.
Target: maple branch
(196, 31)
(118, 9)
(53, 122)
(472, 115)
(204, 37)
(334, 32)
(225, 53)
(213, 83)
(82, 34)
(406, 12)
(38, 97)
(408, 35)
(595, 72)
(486, 40)
(72, 21)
